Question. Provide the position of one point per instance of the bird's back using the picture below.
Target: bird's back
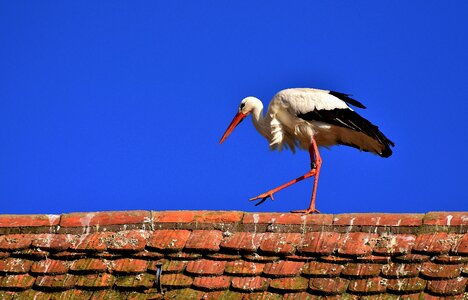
(303, 113)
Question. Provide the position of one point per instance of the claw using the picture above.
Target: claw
(263, 197)
(306, 211)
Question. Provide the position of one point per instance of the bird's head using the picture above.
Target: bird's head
(246, 107)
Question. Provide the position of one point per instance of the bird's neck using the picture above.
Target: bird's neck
(261, 122)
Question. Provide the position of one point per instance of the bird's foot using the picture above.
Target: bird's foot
(307, 211)
(262, 197)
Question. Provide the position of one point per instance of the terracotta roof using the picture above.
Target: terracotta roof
(233, 255)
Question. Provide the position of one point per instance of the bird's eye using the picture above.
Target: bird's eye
(242, 105)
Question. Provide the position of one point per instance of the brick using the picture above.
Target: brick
(336, 259)
(361, 270)
(308, 296)
(243, 268)
(95, 281)
(105, 218)
(33, 254)
(50, 267)
(293, 284)
(287, 219)
(55, 282)
(280, 243)
(204, 240)
(446, 218)
(450, 259)
(169, 266)
(130, 265)
(433, 270)
(10, 221)
(400, 270)
(260, 258)
(372, 219)
(321, 269)
(180, 216)
(283, 268)
(461, 247)
(218, 217)
(394, 244)
(357, 244)
(149, 255)
(15, 265)
(184, 256)
(243, 241)
(427, 296)
(223, 256)
(181, 294)
(453, 286)
(130, 240)
(108, 294)
(223, 294)
(176, 280)
(89, 265)
(377, 259)
(435, 243)
(169, 240)
(68, 255)
(329, 286)
(262, 296)
(319, 243)
(139, 281)
(52, 242)
(17, 282)
(91, 242)
(250, 284)
(212, 283)
(406, 285)
(206, 267)
(368, 286)
(412, 258)
(15, 241)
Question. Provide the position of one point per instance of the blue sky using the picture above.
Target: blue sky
(119, 105)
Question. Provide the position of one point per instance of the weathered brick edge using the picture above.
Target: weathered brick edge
(235, 221)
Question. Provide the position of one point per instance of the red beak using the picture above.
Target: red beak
(236, 121)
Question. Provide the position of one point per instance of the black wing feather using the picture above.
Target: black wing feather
(347, 99)
(350, 119)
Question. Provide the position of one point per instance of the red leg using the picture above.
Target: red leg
(318, 166)
(316, 162)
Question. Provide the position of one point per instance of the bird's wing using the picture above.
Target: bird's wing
(302, 100)
(328, 107)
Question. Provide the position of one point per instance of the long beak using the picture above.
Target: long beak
(236, 121)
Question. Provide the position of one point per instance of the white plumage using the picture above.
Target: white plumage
(307, 118)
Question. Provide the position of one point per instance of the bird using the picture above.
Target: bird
(306, 119)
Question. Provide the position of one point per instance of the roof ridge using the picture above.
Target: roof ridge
(455, 222)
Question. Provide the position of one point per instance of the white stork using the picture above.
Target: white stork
(309, 118)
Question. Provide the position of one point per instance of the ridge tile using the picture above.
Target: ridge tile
(204, 240)
(206, 267)
(215, 283)
(242, 241)
(250, 284)
(319, 243)
(280, 243)
(169, 240)
(15, 265)
(283, 268)
(291, 284)
(329, 286)
(129, 265)
(448, 287)
(244, 268)
(50, 267)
